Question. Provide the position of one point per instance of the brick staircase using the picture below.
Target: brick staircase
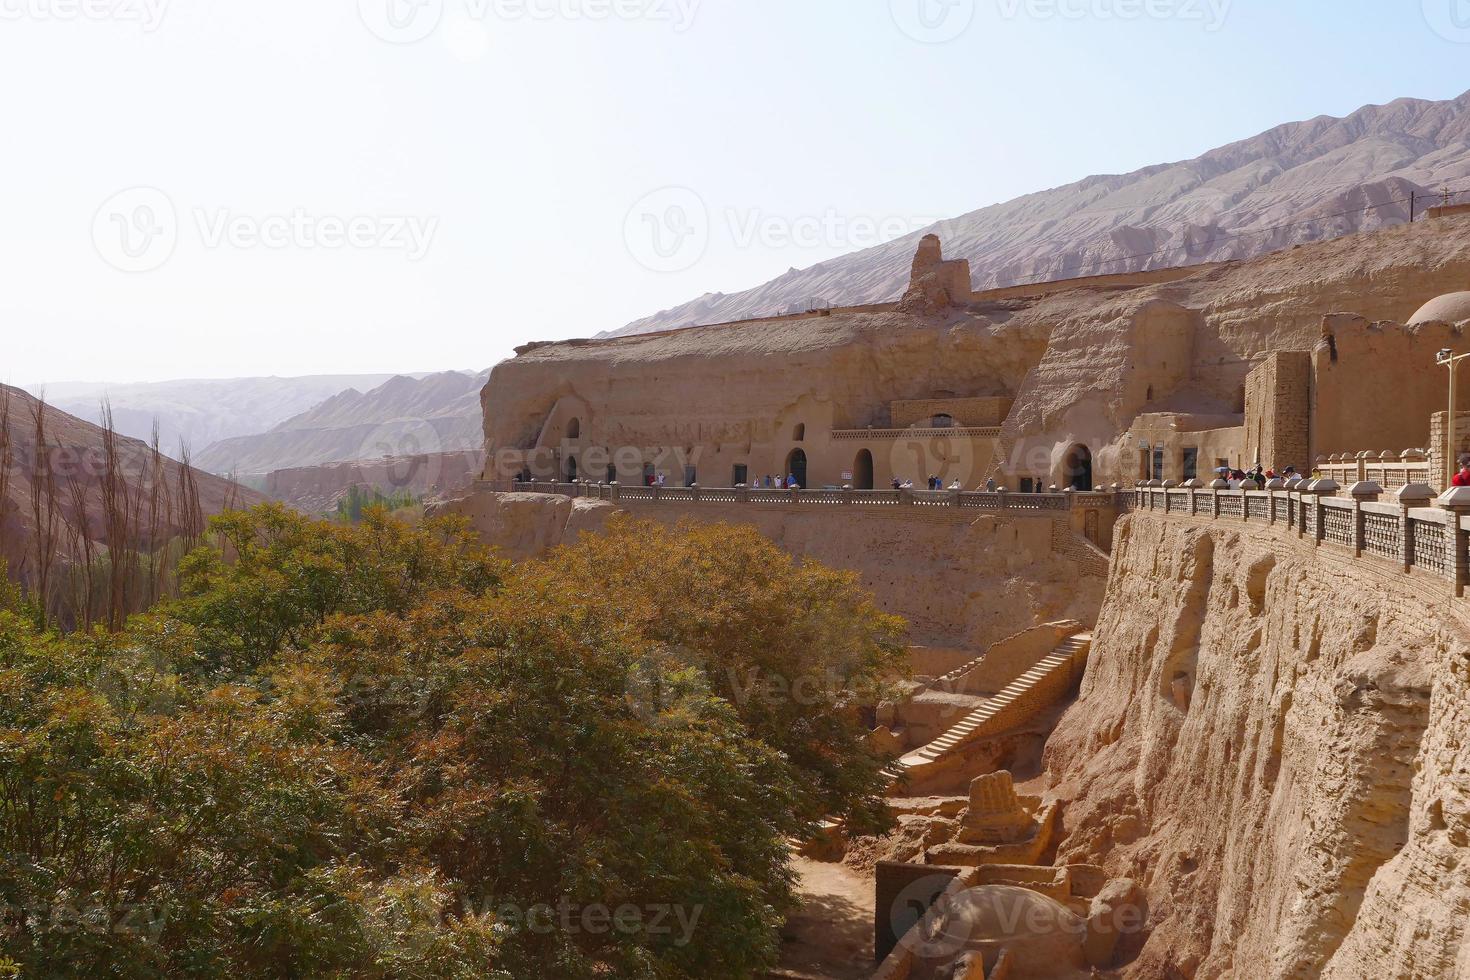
(1038, 688)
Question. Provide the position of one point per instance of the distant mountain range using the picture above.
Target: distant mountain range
(1295, 183)
(404, 416)
(204, 411)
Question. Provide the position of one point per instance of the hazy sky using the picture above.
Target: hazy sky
(239, 187)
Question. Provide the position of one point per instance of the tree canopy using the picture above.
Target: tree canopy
(378, 751)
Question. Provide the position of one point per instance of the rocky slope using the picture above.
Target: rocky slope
(317, 489)
(1271, 740)
(1323, 178)
(198, 413)
(77, 460)
(404, 416)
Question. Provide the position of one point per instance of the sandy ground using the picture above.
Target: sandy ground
(831, 937)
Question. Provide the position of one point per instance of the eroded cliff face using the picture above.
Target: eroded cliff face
(1272, 740)
(961, 584)
(1081, 362)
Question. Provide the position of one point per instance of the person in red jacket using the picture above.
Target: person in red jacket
(1462, 478)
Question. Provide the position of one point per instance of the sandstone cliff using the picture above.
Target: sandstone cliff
(316, 489)
(1272, 740)
(960, 584)
(1081, 361)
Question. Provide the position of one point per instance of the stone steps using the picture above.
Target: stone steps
(953, 677)
(1063, 660)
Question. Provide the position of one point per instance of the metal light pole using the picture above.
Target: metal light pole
(1449, 359)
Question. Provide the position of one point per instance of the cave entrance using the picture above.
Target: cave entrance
(1078, 468)
(796, 466)
(862, 471)
(571, 469)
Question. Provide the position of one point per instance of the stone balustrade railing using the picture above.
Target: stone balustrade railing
(1062, 502)
(1389, 470)
(1412, 529)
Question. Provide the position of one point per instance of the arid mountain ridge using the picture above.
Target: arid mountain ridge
(404, 416)
(1299, 182)
(198, 412)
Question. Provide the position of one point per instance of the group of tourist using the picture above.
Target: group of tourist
(935, 483)
(769, 482)
(1258, 475)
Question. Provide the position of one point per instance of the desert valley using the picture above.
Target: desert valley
(1073, 588)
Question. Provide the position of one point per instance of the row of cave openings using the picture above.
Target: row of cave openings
(1077, 465)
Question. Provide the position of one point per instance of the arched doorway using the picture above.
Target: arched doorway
(862, 471)
(1077, 468)
(796, 466)
(574, 429)
(571, 469)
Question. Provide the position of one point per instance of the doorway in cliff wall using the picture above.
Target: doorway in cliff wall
(862, 471)
(1077, 470)
(796, 466)
(571, 469)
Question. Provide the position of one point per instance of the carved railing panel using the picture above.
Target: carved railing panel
(1338, 526)
(1430, 552)
(1426, 540)
(1383, 535)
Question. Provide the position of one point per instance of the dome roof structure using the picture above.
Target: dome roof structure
(1449, 308)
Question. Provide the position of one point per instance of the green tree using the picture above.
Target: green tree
(276, 576)
(798, 649)
(374, 751)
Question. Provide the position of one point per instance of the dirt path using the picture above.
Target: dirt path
(831, 937)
